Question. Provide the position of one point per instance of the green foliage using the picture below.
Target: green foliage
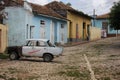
(68, 4)
(13, 70)
(73, 71)
(12, 79)
(3, 56)
(105, 78)
(2, 77)
(115, 16)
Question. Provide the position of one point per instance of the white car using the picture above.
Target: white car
(35, 48)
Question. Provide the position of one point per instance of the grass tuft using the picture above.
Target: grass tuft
(3, 56)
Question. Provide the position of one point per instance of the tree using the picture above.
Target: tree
(69, 4)
(61, 2)
(115, 16)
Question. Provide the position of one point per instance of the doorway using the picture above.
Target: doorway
(52, 39)
(62, 33)
(84, 28)
(77, 33)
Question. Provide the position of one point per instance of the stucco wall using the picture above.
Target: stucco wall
(95, 33)
(98, 23)
(77, 20)
(18, 19)
(3, 32)
(57, 28)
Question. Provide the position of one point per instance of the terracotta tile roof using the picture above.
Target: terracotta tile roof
(36, 8)
(13, 2)
(58, 5)
(45, 11)
(55, 5)
(104, 16)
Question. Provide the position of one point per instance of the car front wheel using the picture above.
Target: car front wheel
(13, 56)
(47, 57)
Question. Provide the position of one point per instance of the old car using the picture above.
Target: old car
(42, 48)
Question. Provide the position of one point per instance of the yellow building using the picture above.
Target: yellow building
(78, 26)
(3, 38)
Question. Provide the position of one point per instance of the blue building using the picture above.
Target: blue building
(26, 21)
(49, 24)
(102, 22)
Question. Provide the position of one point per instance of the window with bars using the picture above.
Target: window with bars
(42, 22)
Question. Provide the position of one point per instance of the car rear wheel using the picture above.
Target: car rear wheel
(47, 57)
(13, 56)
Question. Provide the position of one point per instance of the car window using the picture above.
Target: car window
(30, 43)
(50, 44)
(40, 43)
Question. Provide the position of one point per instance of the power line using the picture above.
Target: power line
(98, 9)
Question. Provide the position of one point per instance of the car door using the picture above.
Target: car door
(29, 49)
(40, 49)
(53, 49)
(37, 49)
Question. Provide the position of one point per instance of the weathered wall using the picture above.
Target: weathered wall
(57, 32)
(3, 38)
(95, 33)
(79, 33)
(98, 23)
(18, 20)
(19, 24)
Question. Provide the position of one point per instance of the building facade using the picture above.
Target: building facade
(30, 21)
(78, 22)
(102, 22)
(3, 38)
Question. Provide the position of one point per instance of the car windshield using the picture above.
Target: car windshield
(50, 44)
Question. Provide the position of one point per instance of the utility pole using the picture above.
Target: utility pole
(94, 16)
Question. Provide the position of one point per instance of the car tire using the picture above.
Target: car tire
(47, 57)
(13, 56)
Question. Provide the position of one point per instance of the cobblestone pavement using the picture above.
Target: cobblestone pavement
(103, 55)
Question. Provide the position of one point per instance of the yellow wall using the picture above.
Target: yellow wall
(77, 19)
(3, 40)
(95, 33)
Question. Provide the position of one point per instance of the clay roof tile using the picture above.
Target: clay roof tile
(104, 16)
(45, 11)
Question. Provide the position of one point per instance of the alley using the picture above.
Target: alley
(103, 55)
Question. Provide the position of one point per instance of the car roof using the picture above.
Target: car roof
(45, 40)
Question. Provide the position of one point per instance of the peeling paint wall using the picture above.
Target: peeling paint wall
(22, 25)
(3, 38)
(51, 29)
(18, 19)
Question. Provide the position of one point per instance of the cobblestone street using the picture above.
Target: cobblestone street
(103, 55)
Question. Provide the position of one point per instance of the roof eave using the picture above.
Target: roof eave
(82, 14)
(63, 19)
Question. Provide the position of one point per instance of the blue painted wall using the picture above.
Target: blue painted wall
(98, 23)
(48, 20)
(18, 18)
(19, 22)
